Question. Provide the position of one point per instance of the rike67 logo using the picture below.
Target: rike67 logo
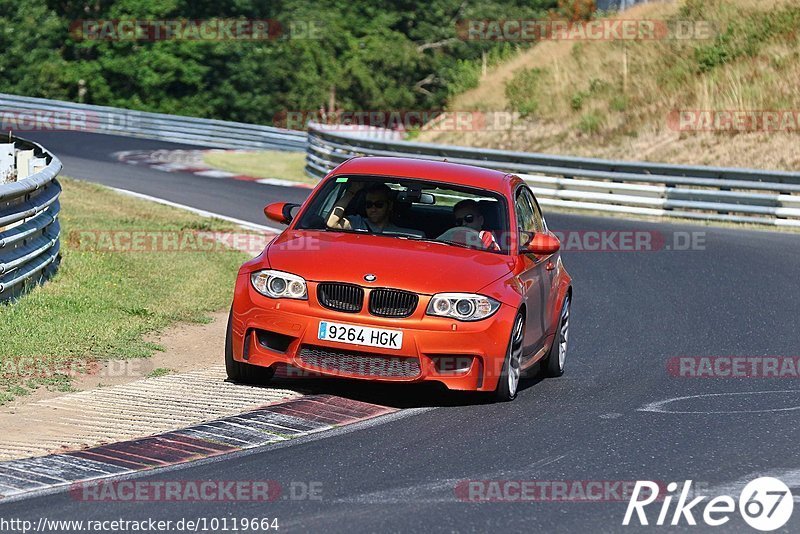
(765, 504)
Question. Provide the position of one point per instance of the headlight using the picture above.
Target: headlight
(462, 306)
(279, 285)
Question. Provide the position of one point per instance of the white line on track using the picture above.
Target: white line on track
(661, 406)
(202, 213)
(789, 476)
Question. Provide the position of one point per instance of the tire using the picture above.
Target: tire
(243, 373)
(508, 384)
(553, 365)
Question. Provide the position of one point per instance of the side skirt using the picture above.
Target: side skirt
(529, 361)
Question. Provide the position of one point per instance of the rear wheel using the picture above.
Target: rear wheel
(243, 373)
(509, 376)
(553, 366)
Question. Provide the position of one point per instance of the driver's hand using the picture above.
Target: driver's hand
(355, 187)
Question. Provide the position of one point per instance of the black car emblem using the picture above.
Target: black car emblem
(370, 277)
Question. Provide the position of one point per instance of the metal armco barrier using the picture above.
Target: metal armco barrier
(653, 189)
(20, 113)
(29, 227)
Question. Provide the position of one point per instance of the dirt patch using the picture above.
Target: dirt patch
(187, 347)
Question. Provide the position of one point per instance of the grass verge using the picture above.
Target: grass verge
(101, 304)
(262, 164)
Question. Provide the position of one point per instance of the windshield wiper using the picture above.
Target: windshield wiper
(441, 241)
(342, 230)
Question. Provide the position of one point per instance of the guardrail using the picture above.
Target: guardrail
(43, 114)
(29, 227)
(654, 189)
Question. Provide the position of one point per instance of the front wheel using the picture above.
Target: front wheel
(553, 366)
(508, 383)
(243, 373)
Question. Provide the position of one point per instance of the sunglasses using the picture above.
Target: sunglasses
(465, 219)
(378, 204)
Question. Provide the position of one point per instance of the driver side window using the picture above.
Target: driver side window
(538, 220)
(524, 216)
(529, 218)
(533, 216)
(526, 221)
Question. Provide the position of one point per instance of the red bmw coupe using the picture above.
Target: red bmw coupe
(406, 270)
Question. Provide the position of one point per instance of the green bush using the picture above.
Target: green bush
(576, 102)
(522, 90)
(744, 37)
(693, 9)
(591, 123)
(597, 86)
(618, 103)
(463, 76)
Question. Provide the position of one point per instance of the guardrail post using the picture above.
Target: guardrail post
(7, 172)
(24, 158)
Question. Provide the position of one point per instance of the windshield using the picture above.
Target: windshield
(410, 209)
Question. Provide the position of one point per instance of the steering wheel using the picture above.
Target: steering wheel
(463, 235)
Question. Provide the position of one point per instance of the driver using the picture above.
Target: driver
(467, 213)
(378, 203)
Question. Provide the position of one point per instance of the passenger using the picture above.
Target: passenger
(467, 213)
(378, 204)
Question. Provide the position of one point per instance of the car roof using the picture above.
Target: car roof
(438, 171)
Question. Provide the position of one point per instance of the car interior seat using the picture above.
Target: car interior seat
(491, 215)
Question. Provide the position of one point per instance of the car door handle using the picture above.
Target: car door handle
(550, 266)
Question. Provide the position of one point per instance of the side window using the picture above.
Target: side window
(524, 215)
(523, 212)
(534, 222)
(538, 220)
(529, 218)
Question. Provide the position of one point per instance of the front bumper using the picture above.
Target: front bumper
(283, 332)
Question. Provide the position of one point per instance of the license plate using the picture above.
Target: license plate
(360, 335)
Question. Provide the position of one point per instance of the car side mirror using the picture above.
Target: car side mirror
(542, 244)
(281, 212)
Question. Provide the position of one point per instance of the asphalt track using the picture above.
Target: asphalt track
(632, 311)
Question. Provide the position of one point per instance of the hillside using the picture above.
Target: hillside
(619, 99)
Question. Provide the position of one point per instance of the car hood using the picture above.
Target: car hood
(418, 266)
